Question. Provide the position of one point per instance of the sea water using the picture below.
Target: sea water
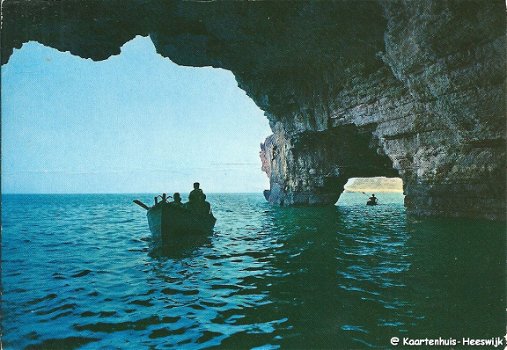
(81, 271)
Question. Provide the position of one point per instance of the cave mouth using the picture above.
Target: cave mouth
(388, 189)
(134, 123)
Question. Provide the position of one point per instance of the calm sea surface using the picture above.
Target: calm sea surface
(81, 271)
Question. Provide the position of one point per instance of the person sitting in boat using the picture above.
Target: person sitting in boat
(206, 206)
(197, 201)
(196, 195)
(372, 199)
(177, 200)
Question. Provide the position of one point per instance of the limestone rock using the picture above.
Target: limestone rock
(414, 89)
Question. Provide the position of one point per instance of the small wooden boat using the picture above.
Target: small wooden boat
(371, 200)
(168, 219)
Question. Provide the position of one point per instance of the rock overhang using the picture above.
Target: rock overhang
(423, 83)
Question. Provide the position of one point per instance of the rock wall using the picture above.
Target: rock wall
(414, 89)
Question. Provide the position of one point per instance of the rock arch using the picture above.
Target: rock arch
(418, 88)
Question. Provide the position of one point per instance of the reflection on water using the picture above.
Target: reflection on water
(181, 247)
(358, 278)
(83, 271)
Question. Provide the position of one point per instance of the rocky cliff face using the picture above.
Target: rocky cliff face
(351, 89)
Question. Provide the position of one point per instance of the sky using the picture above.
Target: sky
(134, 123)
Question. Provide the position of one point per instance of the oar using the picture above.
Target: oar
(141, 204)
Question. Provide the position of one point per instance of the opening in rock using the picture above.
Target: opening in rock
(135, 122)
(360, 189)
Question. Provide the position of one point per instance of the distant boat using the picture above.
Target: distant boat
(167, 220)
(372, 200)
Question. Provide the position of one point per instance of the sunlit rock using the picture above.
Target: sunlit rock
(374, 184)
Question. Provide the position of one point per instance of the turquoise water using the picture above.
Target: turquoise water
(81, 271)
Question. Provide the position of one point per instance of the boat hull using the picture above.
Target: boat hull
(166, 220)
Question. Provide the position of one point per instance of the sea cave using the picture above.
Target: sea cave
(405, 89)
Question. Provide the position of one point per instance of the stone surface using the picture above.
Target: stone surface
(414, 89)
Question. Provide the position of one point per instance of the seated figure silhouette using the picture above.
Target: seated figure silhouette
(196, 195)
(206, 206)
(196, 200)
(177, 200)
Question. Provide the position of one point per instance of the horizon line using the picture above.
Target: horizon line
(78, 193)
(169, 193)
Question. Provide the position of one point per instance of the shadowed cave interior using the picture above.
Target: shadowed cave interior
(351, 89)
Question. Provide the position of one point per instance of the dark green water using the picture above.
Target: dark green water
(81, 271)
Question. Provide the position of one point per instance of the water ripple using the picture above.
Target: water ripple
(82, 271)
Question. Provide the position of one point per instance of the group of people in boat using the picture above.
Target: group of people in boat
(196, 201)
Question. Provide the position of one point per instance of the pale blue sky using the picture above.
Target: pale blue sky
(134, 123)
